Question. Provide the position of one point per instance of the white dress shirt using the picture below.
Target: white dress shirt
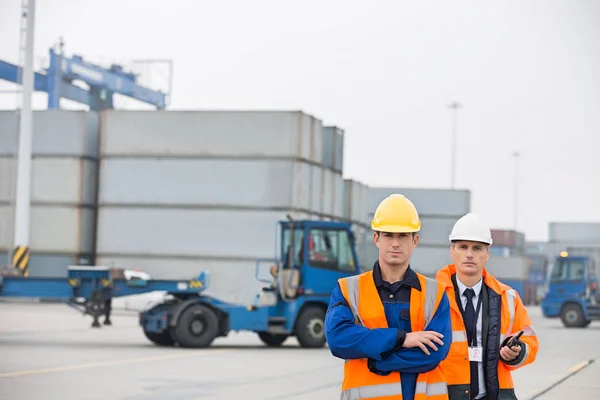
(477, 289)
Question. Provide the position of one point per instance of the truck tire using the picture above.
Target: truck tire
(572, 316)
(310, 327)
(161, 339)
(197, 327)
(272, 339)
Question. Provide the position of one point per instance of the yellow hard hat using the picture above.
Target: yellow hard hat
(396, 214)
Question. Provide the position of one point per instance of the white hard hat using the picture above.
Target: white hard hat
(473, 228)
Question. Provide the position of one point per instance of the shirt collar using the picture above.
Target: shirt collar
(410, 277)
(476, 288)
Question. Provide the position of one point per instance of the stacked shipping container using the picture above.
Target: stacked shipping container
(63, 197)
(182, 192)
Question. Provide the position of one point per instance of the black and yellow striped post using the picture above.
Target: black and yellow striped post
(20, 259)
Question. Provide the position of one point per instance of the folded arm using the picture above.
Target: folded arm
(348, 340)
(414, 360)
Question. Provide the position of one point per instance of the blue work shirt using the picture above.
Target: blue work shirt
(347, 340)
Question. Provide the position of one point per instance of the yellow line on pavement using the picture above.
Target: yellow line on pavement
(190, 353)
(579, 366)
(570, 372)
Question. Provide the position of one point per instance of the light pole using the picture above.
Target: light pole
(516, 189)
(20, 255)
(454, 106)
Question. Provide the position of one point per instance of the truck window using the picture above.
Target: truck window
(568, 271)
(286, 248)
(330, 249)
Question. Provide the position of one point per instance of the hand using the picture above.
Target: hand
(422, 338)
(510, 353)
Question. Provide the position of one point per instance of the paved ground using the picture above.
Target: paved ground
(48, 351)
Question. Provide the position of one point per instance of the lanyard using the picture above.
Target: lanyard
(474, 333)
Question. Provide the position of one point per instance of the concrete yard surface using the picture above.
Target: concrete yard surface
(49, 351)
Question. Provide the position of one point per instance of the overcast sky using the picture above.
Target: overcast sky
(527, 73)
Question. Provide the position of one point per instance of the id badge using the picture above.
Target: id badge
(475, 354)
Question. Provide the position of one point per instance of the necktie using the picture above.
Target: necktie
(470, 323)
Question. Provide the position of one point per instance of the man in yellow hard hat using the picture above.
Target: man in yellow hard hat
(391, 324)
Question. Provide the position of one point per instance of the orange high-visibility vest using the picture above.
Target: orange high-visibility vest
(359, 383)
(514, 318)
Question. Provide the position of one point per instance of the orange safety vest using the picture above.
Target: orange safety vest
(514, 318)
(359, 383)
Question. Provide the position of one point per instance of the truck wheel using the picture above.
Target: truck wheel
(197, 326)
(572, 316)
(161, 339)
(310, 327)
(272, 339)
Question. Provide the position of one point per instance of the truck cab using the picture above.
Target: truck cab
(572, 292)
(313, 256)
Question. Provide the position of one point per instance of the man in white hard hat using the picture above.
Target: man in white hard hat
(492, 333)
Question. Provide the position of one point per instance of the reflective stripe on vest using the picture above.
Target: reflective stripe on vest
(459, 336)
(430, 297)
(431, 389)
(392, 389)
(367, 392)
(527, 331)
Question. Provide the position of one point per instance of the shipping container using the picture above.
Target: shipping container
(212, 133)
(57, 180)
(54, 228)
(513, 268)
(508, 238)
(436, 230)
(257, 183)
(54, 133)
(332, 187)
(264, 183)
(428, 260)
(366, 251)
(574, 232)
(430, 202)
(215, 232)
(333, 148)
(355, 202)
(317, 196)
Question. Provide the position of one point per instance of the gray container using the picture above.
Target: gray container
(355, 202)
(54, 132)
(430, 202)
(436, 230)
(332, 187)
(54, 229)
(333, 148)
(510, 268)
(55, 180)
(574, 232)
(288, 134)
(508, 238)
(152, 231)
(366, 251)
(428, 260)
(256, 183)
